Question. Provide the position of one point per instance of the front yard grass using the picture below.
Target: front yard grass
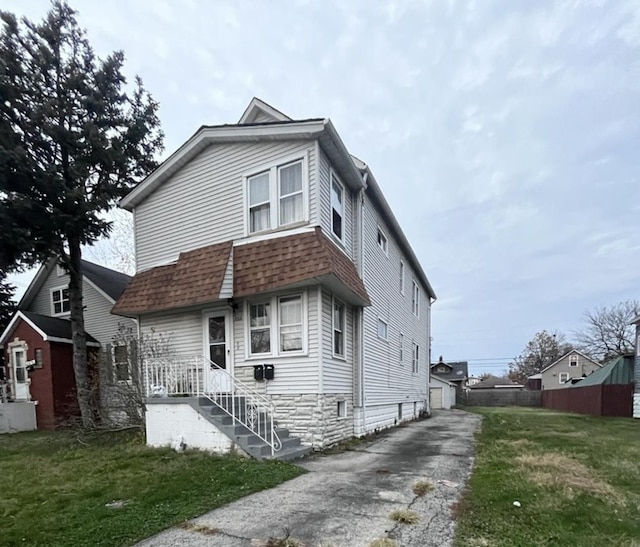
(57, 487)
(576, 478)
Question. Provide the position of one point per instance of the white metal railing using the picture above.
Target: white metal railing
(194, 375)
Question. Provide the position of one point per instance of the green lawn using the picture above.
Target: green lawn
(55, 487)
(577, 479)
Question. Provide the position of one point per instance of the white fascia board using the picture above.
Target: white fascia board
(259, 104)
(36, 283)
(220, 134)
(14, 320)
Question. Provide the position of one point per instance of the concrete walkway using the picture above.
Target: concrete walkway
(345, 499)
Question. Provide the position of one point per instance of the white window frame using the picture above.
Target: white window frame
(401, 342)
(386, 329)
(273, 169)
(62, 300)
(341, 409)
(573, 360)
(402, 277)
(334, 178)
(274, 326)
(384, 245)
(249, 328)
(415, 358)
(564, 375)
(342, 355)
(415, 299)
(302, 322)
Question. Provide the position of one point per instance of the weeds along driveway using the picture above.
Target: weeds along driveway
(346, 499)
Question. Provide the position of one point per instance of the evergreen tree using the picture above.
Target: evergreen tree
(74, 138)
(7, 307)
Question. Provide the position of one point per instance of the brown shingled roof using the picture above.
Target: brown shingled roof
(263, 266)
(196, 278)
(286, 261)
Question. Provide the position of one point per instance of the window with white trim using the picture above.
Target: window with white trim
(573, 360)
(416, 358)
(260, 328)
(276, 197)
(382, 241)
(563, 377)
(290, 312)
(338, 328)
(415, 299)
(60, 301)
(382, 329)
(401, 277)
(337, 207)
(401, 348)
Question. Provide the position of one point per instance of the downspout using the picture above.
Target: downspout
(363, 391)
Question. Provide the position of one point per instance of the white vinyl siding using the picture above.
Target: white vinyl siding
(204, 202)
(184, 331)
(337, 372)
(326, 210)
(388, 381)
(99, 321)
(295, 372)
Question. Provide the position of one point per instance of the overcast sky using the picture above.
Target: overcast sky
(505, 135)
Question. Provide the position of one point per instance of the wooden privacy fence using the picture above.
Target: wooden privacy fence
(602, 400)
(498, 397)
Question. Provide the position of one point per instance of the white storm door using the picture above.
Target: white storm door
(20, 377)
(218, 352)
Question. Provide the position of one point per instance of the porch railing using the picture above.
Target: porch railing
(195, 375)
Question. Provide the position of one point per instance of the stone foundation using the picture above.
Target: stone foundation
(314, 418)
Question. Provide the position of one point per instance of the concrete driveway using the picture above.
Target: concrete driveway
(345, 499)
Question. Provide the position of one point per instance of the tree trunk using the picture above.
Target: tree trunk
(78, 335)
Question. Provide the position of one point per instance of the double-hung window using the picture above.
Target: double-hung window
(338, 328)
(337, 207)
(290, 184)
(573, 361)
(290, 311)
(259, 203)
(416, 358)
(563, 377)
(276, 197)
(60, 300)
(260, 328)
(415, 299)
(121, 363)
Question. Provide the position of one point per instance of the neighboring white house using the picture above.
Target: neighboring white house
(442, 394)
(265, 250)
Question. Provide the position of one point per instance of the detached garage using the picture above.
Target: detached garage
(442, 394)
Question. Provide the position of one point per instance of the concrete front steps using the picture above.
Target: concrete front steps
(247, 440)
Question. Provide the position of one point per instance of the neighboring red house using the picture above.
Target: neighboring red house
(40, 353)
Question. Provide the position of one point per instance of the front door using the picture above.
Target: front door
(20, 377)
(218, 352)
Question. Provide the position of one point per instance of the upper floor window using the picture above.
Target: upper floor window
(338, 328)
(416, 358)
(573, 361)
(415, 299)
(337, 207)
(60, 300)
(382, 241)
(401, 277)
(382, 329)
(276, 197)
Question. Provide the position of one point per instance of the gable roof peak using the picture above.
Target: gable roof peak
(258, 106)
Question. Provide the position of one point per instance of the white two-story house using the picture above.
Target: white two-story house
(270, 259)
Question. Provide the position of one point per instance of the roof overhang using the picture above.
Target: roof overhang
(321, 129)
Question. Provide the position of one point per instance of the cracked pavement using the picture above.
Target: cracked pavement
(345, 499)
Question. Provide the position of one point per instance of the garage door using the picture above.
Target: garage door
(435, 394)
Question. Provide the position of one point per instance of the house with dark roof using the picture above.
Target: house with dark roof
(456, 372)
(495, 382)
(296, 309)
(37, 342)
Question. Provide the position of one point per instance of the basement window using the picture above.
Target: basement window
(342, 409)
